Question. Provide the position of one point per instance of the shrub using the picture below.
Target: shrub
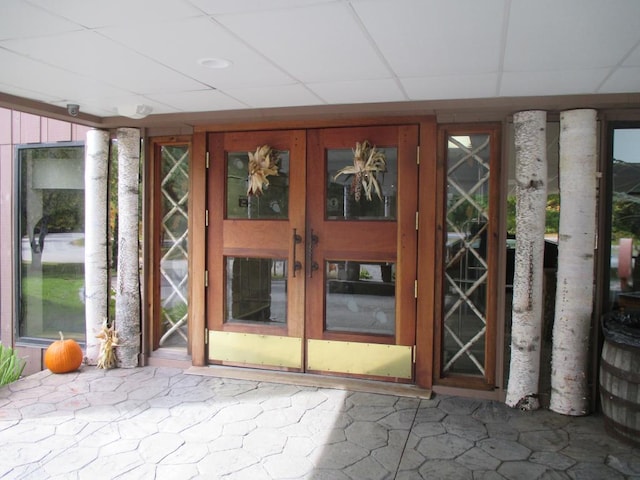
(11, 366)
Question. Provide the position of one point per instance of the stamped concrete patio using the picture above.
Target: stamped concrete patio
(157, 423)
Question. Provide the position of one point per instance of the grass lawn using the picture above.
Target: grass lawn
(57, 293)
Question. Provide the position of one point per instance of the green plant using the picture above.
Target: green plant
(364, 274)
(11, 366)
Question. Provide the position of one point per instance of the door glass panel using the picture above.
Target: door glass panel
(466, 269)
(624, 272)
(341, 190)
(256, 290)
(360, 297)
(274, 201)
(174, 275)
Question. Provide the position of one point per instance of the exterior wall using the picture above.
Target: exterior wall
(18, 128)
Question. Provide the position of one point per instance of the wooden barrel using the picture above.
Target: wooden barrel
(620, 391)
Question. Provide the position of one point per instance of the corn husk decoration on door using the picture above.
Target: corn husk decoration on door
(261, 164)
(368, 162)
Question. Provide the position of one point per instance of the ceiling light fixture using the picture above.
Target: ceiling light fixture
(134, 111)
(211, 62)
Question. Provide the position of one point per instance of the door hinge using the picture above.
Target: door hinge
(206, 160)
(415, 289)
(206, 337)
(416, 220)
(206, 278)
(418, 155)
(414, 354)
(206, 217)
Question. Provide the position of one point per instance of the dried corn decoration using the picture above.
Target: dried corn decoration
(368, 162)
(261, 164)
(108, 341)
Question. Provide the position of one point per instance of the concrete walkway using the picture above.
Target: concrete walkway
(157, 423)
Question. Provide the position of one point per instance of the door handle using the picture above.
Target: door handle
(296, 263)
(313, 265)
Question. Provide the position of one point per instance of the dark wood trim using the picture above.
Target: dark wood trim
(427, 240)
(197, 248)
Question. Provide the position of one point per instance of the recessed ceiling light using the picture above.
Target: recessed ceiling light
(214, 62)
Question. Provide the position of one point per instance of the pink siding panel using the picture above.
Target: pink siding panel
(55, 131)
(80, 133)
(6, 239)
(5, 126)
(29, 128)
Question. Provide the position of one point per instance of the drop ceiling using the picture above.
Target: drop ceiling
(114, 56)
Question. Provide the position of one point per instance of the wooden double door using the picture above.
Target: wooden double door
(311, 250)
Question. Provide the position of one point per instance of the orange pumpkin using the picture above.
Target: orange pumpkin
(63, 356)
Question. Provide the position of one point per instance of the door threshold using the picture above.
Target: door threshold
(312, 380)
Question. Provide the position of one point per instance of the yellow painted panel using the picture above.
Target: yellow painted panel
(267, 350)
(360, 358)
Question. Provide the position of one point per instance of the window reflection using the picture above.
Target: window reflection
(466, 268)
(256, 290)
(274, 201)
(624, 270)
(360, 297)
(51, 288)
(341, 202)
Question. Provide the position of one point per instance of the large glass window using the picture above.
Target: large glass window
(624, 272)
(51, 238)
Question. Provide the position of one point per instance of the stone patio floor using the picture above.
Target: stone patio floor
(162, 423)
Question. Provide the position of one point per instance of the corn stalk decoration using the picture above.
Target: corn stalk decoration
(108, 341)
(261, 164)
(368, 162)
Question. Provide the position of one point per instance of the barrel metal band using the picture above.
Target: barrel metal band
(628, 376)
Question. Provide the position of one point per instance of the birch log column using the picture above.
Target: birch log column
(127, 317)
(96, 270)
(531, 201)
(574, 294)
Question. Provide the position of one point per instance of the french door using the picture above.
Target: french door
(311, 250)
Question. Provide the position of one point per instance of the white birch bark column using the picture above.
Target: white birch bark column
(127, 316)
(574, 294)
(96, 269)
(531, 201)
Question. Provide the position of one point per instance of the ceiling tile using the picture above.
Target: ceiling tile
(552, 83)
(570, 34)
(21, 20)
(633, 60)
(363, 91)
(451, 87)
(278, 96)
(181, 43)
(61, 85)
(94, 56)
(424, 38)
(319, 43)
(623, 80)
(198, 101)
(93, 14)
(234, 6)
